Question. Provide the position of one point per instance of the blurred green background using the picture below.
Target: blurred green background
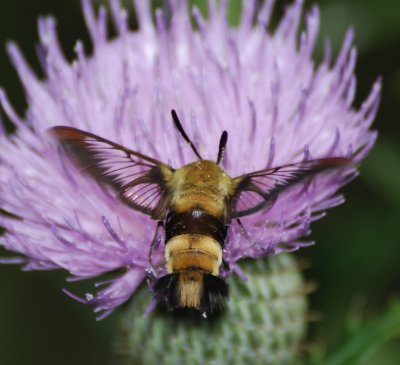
(355, 263)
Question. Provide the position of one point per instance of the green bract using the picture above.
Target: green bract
(263, 323)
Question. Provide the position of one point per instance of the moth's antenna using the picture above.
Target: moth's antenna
(222, 147)
(179, 127)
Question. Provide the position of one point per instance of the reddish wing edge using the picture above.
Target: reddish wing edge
(140, 182)
(260, 189)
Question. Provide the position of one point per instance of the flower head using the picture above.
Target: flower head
(264, 89)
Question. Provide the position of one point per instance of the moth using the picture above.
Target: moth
(194, 204)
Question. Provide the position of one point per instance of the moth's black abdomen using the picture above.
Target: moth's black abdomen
(215, 293)
(195, 221)
(194, 241)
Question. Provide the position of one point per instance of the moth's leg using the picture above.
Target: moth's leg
(225, 264)
(225, 268)
(265, 251)
(155, 243)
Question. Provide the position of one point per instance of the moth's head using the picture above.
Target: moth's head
(195, 289)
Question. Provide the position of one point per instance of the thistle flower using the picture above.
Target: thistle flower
(263, 88)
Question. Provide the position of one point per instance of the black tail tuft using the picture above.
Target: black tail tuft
(213, 297)
(165, 290)
(215, 293)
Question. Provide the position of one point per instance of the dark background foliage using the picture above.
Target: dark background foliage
(355, 262)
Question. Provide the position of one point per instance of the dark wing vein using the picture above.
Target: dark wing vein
(259, 190)
(127, 172)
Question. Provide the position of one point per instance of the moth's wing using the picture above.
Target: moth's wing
(259, 190)
(140, 182)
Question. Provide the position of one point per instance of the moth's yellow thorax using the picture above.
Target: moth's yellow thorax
(202, 184)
